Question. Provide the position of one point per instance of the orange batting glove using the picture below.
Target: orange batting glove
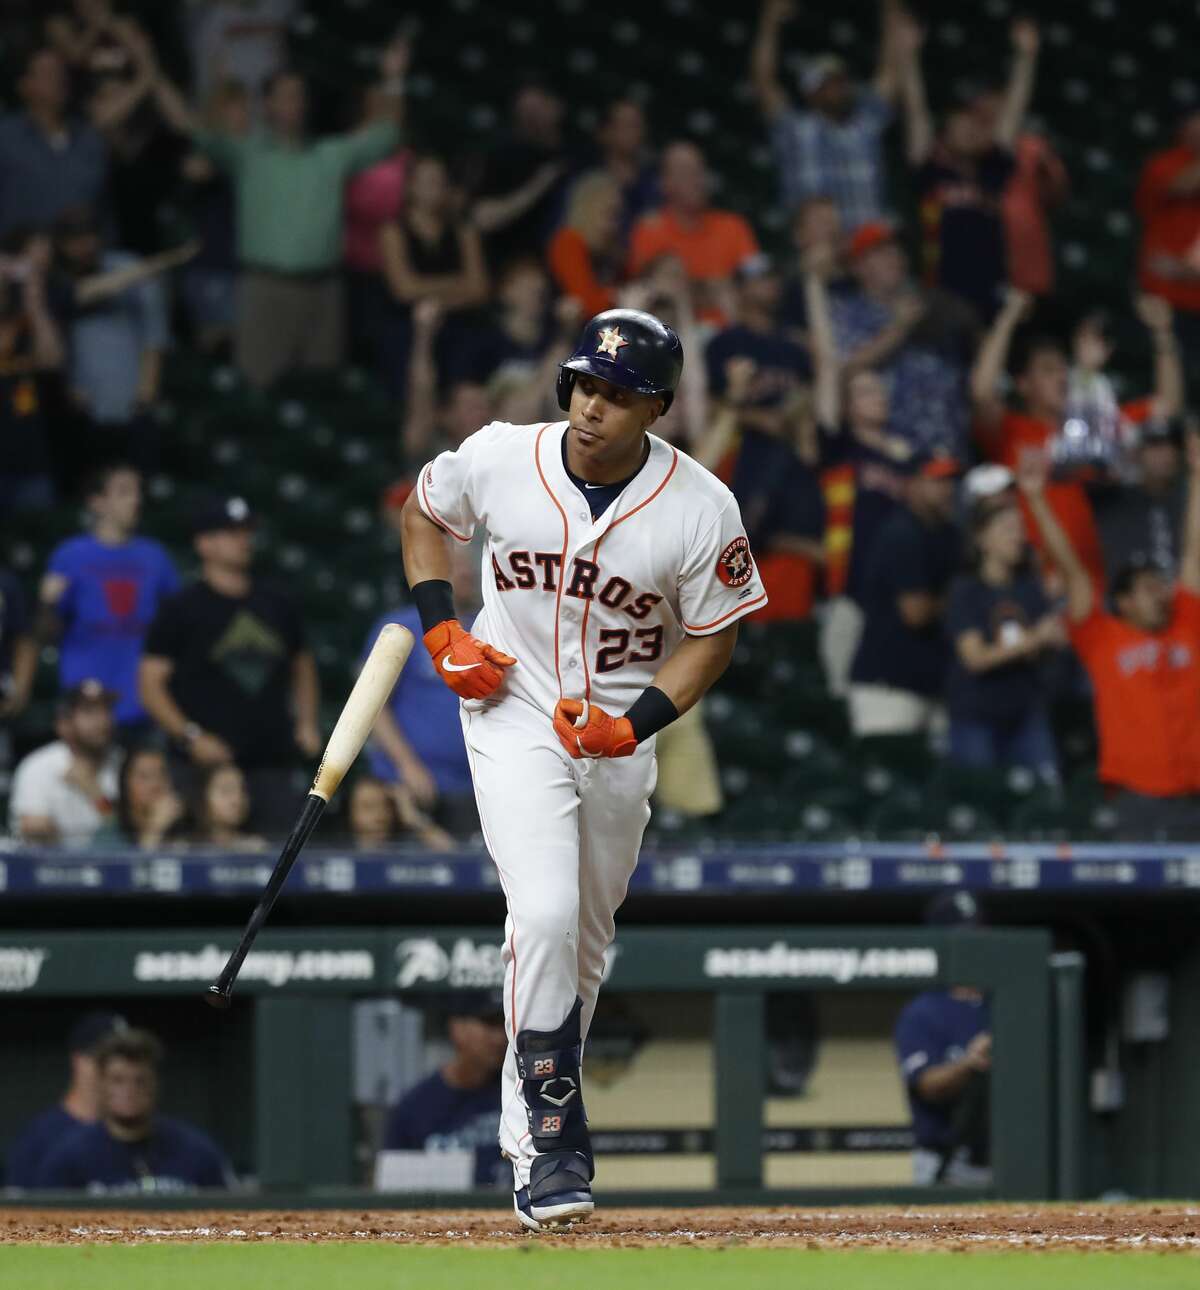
(585, 730)
(472, 668)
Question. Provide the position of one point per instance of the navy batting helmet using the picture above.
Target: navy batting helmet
(628, 348)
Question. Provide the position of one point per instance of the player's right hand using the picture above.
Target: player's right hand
(472, 668)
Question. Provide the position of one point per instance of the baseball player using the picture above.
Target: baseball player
(615, 572)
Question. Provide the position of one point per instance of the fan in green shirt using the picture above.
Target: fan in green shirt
(289, 186)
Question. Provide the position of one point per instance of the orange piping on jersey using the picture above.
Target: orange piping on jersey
(562, 565)
(587, 609)
(653, 495)
(433, 515)
(587, 679)
(740, 609)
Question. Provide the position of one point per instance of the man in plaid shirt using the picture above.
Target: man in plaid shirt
(832, 146)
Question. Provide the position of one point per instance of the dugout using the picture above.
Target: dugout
(274, 1080)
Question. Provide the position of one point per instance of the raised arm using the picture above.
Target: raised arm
(174, 108)
(906, 312)
(918, 121)
(887, 65)
(421, 398)
(491, 213)
(1157, 315)
(73, 42)
(718, 435)
(694, 380)
(102, 286)
(1026, 40)
(764, 58)
(393, 70)
(1189, 560)
(48, 349)
(827, 402)
(993, 357)
(111, 112)
(1032, 472)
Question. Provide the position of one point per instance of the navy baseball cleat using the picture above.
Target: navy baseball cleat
(559, 1192)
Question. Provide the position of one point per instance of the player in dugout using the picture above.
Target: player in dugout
(78, 1106)
(456, 1107)
(1144, 663)
(132, 1148)
(944, 1048)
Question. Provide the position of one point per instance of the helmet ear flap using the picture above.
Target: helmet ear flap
(564, 386)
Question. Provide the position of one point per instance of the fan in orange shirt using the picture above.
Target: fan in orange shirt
(585, 252)
(1168, 204)
(1144, 663)
(710, 242)
(1006, 435)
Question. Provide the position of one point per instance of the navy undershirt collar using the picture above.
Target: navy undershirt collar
(600, 497)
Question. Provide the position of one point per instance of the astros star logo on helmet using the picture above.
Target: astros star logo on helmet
(611, 340)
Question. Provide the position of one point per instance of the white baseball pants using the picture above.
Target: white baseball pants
(564, 836)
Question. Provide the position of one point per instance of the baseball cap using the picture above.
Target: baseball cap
(216, 513)
(986, 482)
(92, 1029)
(90, 690)
(954, 909)
(819, 69)
(875, 232)
(483, 1005)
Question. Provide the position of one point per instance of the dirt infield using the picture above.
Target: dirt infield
(1083, 1226)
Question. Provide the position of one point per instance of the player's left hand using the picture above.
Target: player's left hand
(586, 730)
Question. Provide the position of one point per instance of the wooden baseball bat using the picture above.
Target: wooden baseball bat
(375, 682)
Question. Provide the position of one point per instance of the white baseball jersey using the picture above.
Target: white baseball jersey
(590, 608)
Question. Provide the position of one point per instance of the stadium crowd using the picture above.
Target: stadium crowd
(934, 453)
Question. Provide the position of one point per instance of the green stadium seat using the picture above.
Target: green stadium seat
(990, 792)
(744, 733)
(964, 821)
(906, 755)
(761, 817)
(1045, 818)
(903, 816)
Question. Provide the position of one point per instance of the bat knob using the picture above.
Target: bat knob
(217, 998)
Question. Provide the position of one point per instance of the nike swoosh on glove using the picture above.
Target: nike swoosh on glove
(472, 668)
(585, 730)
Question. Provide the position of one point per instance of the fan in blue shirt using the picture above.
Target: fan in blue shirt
(104, 588)
(458, 1106)
(132, 1148)
(79, 1105)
